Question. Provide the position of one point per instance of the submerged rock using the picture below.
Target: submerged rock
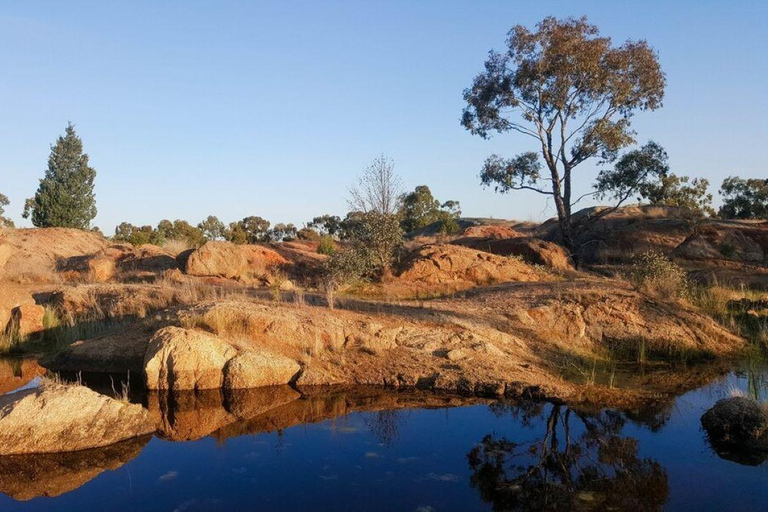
(61, 418)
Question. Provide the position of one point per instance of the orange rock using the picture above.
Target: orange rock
(27, 319)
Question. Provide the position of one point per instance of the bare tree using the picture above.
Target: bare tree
(378, 189)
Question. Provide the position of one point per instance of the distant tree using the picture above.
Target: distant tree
(282, 233)
(326, 225)
(375, 238)
(212, 228)
(250, 230)
(378, 189)
(4, 221)
(680, 191)
(744, 199)
(419, 209)
(644, 173)
(307, 233)
(236, 233)
(575, 94)
(373, 226)
(186, 232)
(136, 235)
(123, 232)
(65, 196)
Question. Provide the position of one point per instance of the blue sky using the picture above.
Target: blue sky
(273, 108)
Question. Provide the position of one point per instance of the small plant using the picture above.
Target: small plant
(326, 245)
(727, 250)
(656, 274)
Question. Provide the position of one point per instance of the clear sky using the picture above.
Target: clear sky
(234, 108)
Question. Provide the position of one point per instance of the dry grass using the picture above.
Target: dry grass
(718, 301)
(176, 247)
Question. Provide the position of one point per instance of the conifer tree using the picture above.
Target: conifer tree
(65, 196)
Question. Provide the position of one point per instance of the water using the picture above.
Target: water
(366, 450)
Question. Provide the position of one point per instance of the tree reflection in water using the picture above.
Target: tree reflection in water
(580, 462)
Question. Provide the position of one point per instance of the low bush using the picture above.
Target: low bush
(656, 274)
(326, 245)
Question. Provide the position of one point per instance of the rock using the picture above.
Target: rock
(27, 320)
(492, 231)
(532, 250)
(722, 242)
(436, 264)
(63, 418)
(456, 354)
(184, 359)
(217, 259)
(263, 262)
(736, 420)
(148, 259)
(6, 251)
(11, 297)
(256, 368)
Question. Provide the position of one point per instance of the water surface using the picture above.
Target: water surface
(361, 449)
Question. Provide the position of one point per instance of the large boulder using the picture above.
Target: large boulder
(61, 418)
(183, 359)
(44, 255)
(256, 368)
(437, 264)
(217, 259)
(532, 250)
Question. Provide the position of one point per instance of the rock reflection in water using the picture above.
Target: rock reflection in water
(192, 415)
(18, 372)
(24, 477)
(317, 405)
(579, 461)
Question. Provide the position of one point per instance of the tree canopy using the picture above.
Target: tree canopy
(744, 199)
(4, 221)
(572, 92)
(419, 208)
(644, 172)
(65, 196)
